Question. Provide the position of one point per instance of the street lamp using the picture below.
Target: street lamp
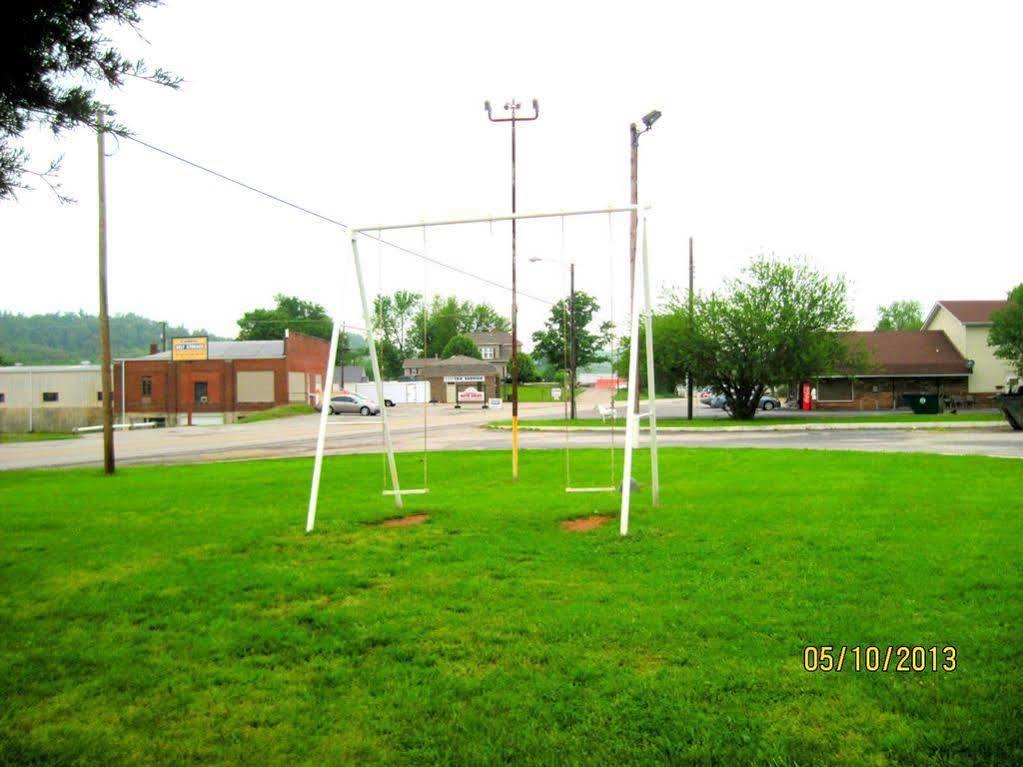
(634, 133)
(572, 345)
(513, 106)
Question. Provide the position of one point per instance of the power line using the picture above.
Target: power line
(328, 219)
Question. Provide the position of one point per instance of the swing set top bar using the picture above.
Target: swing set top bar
(504, 217)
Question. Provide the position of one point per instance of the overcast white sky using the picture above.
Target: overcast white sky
(882, 140)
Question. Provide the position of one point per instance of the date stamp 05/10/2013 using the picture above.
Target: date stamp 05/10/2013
(878, 658)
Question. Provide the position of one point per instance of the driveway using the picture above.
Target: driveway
(450, 429)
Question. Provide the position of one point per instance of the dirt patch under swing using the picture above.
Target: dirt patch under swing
(411, 519)
(582, 524)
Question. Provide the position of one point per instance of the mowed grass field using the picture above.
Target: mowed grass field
(180, 615)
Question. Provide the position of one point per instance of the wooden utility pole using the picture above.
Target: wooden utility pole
(689, 373)
(513, 107)
(104, 316)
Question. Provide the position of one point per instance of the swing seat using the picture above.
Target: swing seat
(414, 491)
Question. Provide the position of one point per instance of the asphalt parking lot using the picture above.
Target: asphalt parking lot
(450, 429)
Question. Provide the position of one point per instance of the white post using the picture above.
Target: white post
(326, 389)
(655, 483)
(632, 418)
(31, 399)
(372, 344)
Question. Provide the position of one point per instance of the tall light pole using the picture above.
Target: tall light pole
(513, 107)
(634, 133)
(573, 344)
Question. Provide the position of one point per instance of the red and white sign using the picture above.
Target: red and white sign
(471, 394)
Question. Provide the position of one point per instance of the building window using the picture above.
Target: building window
(202, 390)
(50, 396)
(2, 396)
(147, 386)
(99, 396)
(487, 352)
(835, 390)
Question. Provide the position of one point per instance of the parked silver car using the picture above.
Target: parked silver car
(353, 403)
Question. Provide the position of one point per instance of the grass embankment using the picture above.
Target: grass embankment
(34, 436)
(725, 421)
(179, 615)
(537, 392)
(281, 411)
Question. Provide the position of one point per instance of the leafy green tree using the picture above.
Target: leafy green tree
(70, 337)
(395, 315)
(448, 317)
(392, 363)
(777, 323)
(54, 51)
(288, 313)
(551, 343)
(900, 315)
(483, 317)
(460, 345)
(528, 370)
(1006, 334)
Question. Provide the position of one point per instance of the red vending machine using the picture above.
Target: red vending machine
(805, 396)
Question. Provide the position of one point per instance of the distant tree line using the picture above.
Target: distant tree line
(62, 338)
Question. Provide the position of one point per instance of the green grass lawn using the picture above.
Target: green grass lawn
(281, 411)
(725, 421)
(540, 392)
(34, 436)
(622, 395)
(179, 615)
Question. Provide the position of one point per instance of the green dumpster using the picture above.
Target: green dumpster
(922, 404)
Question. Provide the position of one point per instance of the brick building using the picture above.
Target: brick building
(899, 362)
(238, 377)
(448, 378)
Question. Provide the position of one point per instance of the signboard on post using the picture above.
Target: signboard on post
(190, 348)
(495, 402)
(555, 393)
(471, 394)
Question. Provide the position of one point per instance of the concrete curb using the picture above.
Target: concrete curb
(884, 426)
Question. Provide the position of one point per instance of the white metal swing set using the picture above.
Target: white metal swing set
(632, 420)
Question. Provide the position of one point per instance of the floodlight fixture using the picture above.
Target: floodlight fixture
(650, 118)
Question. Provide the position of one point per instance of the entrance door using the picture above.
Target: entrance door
(451, 392)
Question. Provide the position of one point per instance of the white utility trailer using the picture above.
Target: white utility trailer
(397, 392)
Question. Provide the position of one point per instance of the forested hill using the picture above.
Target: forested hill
(69, 338)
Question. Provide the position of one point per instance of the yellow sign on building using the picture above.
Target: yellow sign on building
(190, 348)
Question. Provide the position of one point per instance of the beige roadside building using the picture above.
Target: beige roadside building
(967, 323)
(50, 397)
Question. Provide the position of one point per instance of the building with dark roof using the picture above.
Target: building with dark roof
(495, 347)
(450, 378)
(897, 363)
(967, 324)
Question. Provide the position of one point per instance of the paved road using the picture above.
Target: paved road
(451, 429)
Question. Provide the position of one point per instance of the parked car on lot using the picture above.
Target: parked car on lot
(350, 402)
(767, 402)
(705, 396)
